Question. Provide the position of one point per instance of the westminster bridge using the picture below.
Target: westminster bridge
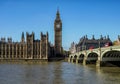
(99, 56)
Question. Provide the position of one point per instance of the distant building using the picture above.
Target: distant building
(85, 43)
(118, 39)
(72, 48)
(117, 42)
(32, 48)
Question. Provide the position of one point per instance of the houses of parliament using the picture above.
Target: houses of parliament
(32, 48)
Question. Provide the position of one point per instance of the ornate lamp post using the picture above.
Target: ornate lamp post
(99, 44)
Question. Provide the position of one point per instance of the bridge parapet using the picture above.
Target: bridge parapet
(110, 47)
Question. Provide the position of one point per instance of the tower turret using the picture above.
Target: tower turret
(22, 37)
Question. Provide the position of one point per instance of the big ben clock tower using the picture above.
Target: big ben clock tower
(58, 34)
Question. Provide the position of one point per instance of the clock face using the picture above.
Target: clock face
(58, 25)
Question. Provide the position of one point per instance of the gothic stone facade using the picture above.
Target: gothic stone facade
(31, 48)
(85, 43)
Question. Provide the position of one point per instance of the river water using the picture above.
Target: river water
(57, 73)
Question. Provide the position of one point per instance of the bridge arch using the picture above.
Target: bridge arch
(81, 56)
(92, 56)
(71, 58)
(96, 51)
(75, 57)
(111, 55)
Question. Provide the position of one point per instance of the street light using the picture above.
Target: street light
(99, 44)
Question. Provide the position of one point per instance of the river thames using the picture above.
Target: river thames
(57, 73)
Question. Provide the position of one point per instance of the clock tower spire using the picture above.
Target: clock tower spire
(58, 34)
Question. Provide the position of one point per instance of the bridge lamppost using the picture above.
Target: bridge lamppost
(85, 47)
(99, 44)
(82, 47)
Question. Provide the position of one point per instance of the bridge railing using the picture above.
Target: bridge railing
(102, 48)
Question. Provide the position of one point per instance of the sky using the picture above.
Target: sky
(79, 18)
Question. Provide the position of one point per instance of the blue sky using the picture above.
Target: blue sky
(79, 18)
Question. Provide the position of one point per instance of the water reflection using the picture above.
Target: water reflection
(57, 73)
